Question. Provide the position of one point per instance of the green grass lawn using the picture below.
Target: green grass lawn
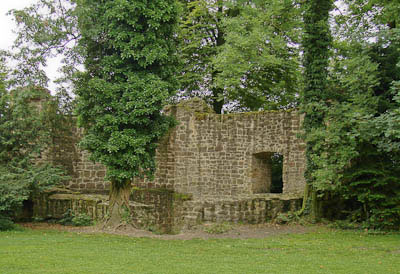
(324, 251)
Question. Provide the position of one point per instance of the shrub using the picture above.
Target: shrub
(80, 219)
(6, 224)
(24, 135)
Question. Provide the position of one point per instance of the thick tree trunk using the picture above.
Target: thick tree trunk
(119, 211)
(315, 206)
(311, 200)
(305, 199)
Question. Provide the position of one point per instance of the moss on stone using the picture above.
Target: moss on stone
(183, 196)
(165, 191)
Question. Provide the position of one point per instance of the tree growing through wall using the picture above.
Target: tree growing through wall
(130, 60)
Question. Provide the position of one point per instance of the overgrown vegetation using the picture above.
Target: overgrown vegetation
(130, 60)
(71, 218)
(241, 56)
(24, 135)
(352, 139)
(217, 228)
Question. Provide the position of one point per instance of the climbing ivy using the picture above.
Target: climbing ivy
(315, 98)
(130, 74)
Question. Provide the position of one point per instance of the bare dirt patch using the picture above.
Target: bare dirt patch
(234, 231)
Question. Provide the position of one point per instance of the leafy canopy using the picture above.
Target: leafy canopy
(130, 74)
(239, 55)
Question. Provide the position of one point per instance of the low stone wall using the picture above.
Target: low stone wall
(253, 209)
(167, 212)
(53, 204)
(158, 210)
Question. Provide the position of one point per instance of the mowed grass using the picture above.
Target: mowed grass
(324, 251)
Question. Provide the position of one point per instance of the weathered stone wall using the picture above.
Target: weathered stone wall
(254, 209)
(223, 162)
(165, 211)
(210, 154)
(86, 176)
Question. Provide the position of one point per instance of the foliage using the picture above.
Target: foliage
(45, 30)
(345, 224)
(259, 61)
(23, 137)
(71, 218)
(6, 223)
(240, 55)
(287, 218)
(201, 34)
(353, 151)
(316, 44)
(129, 57)
(25, 132)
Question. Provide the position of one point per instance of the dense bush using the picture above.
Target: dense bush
(24, 134)
(71, 218)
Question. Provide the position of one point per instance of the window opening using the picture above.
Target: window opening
(276, 173)
(266, 173)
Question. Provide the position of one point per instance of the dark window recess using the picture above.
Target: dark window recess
(266, 172)
(276, 173)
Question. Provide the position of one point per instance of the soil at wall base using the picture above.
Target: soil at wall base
(236, 231)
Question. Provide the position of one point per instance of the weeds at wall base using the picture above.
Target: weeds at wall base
(71, 218)
(218, 228)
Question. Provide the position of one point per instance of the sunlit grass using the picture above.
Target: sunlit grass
(324, 251)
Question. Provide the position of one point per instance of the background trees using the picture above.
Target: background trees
(353, 158)
(241, 55)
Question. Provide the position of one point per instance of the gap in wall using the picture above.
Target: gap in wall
(266, 174)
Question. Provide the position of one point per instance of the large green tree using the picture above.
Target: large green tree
(239, 54)
(315, 98)
(354, 150)
(259, 62)
(130, 60)
(201, 35)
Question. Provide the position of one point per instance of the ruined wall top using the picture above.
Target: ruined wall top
(210, 154)
(219, 154)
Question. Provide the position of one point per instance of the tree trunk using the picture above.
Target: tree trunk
(217, 92)
(305, 199)
(119, 212)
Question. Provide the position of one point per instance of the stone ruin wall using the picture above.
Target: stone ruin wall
(219, 163)
(208, 154)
